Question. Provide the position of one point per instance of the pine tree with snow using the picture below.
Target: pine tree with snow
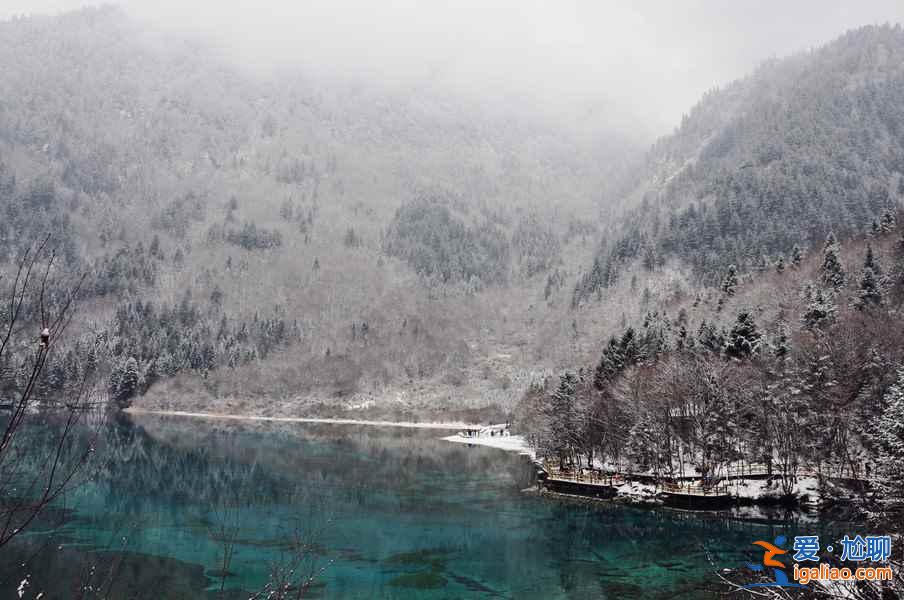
(708, 337)
(832, 271)
(888, 221)
(91, 360)
(632, 350)
(561, 415)
(874, 229)
(743, 339)
(869, 292)
(730, 281)
(820, 308)
(891, 435)
(781, 346)
(610, 365)
(871, 262)
(127, 385)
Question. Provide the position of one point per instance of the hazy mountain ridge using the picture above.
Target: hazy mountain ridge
(230, 222)
(803, 145)
(305, 240)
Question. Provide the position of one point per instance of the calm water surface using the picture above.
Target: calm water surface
(385, 513)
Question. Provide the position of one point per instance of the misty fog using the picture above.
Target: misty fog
(633, 67)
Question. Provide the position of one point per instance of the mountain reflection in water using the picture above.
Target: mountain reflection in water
(385, 512)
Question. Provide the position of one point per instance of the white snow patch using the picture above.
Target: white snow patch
(635, 489)
(509, 443)
(758, 489)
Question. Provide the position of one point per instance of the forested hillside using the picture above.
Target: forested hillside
(310, 245)
(798, 371)
(804, 145)
(286, 244)
(763, 244)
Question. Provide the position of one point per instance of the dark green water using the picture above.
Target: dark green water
(386, 513)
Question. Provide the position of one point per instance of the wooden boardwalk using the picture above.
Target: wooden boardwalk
(731, 473)
(691, 492)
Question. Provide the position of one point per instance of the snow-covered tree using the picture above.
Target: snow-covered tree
(126, 382)
(820, 308)
(869, 291)
(891, 435)
(709, 337)
(562, 420)
(730, 281)
(871, 262)
(832, 271)
(888, 222)
(781, 345)
(743, 339)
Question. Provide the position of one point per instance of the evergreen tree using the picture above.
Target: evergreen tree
(709, 337)
(631, 349)
(730, 281)
(155, 247)
(91, 360)
(743, 339)
(611, 364)
(561, 415)
(888, 222)
(780, 264)
(891, 436)
(682, 340)
(874, 228)
(869, 292)
(871, 262)
(151, 375)
(832, 271)
(819, 310)
(127, 384)
(781, 347)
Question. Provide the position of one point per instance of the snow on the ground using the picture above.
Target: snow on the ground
(201, 415)
(510, 443)
(635, 489)
(758, 489)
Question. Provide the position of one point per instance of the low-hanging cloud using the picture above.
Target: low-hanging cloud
(641, 64)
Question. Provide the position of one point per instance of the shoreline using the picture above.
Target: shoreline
(508, 443)
(631, 493)
(314, 420)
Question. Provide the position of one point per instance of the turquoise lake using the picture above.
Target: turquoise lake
(380, 512)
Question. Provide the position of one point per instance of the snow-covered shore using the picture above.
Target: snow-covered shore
(509, 443)
(204, 415)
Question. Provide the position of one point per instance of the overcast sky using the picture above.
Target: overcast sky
(643, 62)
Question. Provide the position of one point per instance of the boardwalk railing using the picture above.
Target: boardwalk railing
(724, 476)
(695, 490)
(591, 476)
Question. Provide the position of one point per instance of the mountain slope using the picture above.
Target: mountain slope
(803, 145)
(242, 233)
